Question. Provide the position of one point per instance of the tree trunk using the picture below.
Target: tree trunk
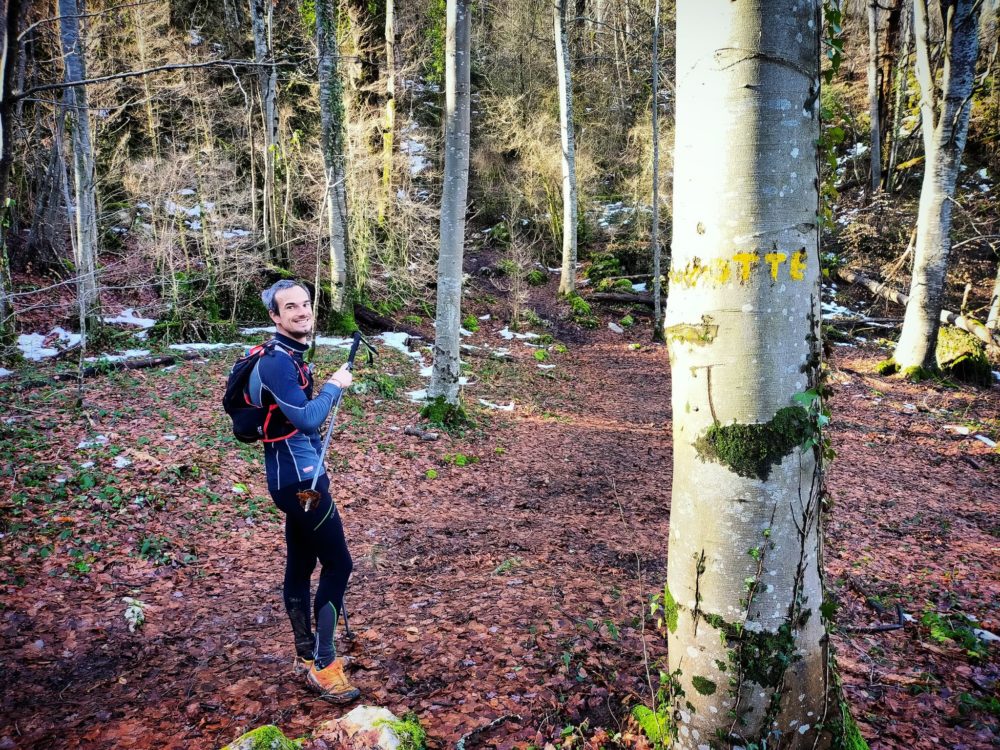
(389, 126)
(899, 86)
(331, 105)
(993, 317)
(85, 203)
(567, 279)
(873, 97)
(654, 237)
(944, 117)
(447, 365)
(9, 14)
(261, 13)
(747, 641)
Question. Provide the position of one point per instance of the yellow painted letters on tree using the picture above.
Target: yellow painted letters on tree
(741, 267)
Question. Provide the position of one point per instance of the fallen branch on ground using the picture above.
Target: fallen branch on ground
(969, 325)
(634, 299)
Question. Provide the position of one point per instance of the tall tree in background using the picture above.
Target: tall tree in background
(654, 235)
(389, 126)
(944, 118)
(567, 279)
(873, 98)
(262, 21)
(331, 105)
(447, 364)
(9, 13)
(747, 642)
(84, 189)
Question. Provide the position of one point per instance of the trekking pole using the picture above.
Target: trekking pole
(308, 497)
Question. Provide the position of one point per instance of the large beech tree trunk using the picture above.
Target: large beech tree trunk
(447, 364)
(654, 237)
(747, 642)
(567, 279)
(84, 190)
(331, 106)
(944, 117)
(873, 97)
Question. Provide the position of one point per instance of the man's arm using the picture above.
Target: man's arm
(280, 376)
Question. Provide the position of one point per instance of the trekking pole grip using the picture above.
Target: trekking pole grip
(354, 350)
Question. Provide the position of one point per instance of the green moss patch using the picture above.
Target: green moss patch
(750, 450)
(267, 737)
(962, 356)
(762, 657)
(703, 685)
(450, 417)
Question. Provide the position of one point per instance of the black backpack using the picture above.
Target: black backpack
(249, 421)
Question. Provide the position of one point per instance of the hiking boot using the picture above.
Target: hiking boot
(302, 665)
(331, 683)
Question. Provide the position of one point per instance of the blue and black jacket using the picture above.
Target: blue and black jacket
(292, 442)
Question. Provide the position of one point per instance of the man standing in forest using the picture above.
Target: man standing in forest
(283, 383)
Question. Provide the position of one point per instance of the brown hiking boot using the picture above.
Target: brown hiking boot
(331, 683)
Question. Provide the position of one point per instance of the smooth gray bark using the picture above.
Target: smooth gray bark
(654, 237)
(261, 15)
(746, 642)
(944, 117)
(331, 105)
(84, 204)
(899, 87)
(873, 97)
(993, 317)
(8, 34)
(448, 316)
(567, 278)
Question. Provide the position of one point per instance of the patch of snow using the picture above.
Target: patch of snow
(397, 340)
(96, 441)
(186, 191)
(200, 347)
(122, 461)
(5, 372)
(426, 372)
(463, 332)
(616, 328)
(983, 174)
(32, 345)
(127, 354)
(418, 396)
(232, 234)
(509, 334)
(334, 341)
(639, 287)
(499, 407)
(194, 38)
(87, 465)
(170, 437)
(985, 635)
(985, 441)
(545, 367)
(414, 151)
(484, 317)
(258, 329)
(128, 317)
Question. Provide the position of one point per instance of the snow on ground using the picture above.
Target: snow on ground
(128, 317)
(120, 357)
(36, 346)
(4, 373)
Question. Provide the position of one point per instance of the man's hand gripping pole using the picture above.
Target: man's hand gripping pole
(310, 496)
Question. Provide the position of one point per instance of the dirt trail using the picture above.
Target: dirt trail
(511, 586)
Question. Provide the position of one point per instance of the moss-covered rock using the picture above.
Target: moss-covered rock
(750, 450)
(962, 356)
(267, 737)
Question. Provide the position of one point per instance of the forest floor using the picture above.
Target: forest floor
(501, 574)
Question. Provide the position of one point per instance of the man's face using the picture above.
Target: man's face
(294, 317)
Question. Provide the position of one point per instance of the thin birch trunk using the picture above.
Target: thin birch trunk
(389, 126)
(85, 207)
(873, 97)
(448, 316)
(140, 43)
(567, 279)
(9, 13)
(261, 12)
(993, 318)
(331, 97)
(944, 117)
(747, 642)
(654, 237)
(902, 69)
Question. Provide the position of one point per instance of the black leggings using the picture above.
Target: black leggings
(310, 536)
